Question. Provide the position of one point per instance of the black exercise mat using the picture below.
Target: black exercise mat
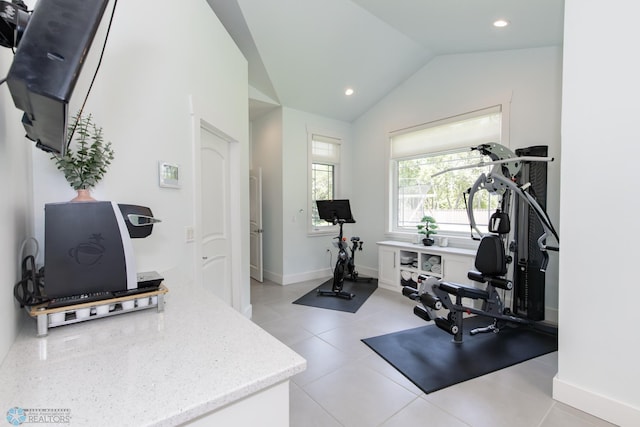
(361, 289)
(429, 359)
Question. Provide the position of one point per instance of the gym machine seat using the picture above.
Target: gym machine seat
(490, 268)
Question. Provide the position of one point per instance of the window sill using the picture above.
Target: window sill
(456, 240)
(330, 231)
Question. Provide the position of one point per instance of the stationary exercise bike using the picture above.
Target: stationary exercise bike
(338, 212)
(351, 273)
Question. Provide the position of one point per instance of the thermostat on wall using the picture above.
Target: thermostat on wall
(169, 175)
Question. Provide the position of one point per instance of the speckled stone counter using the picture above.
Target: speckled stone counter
(146, 368)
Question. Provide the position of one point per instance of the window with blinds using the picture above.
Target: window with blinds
(324, 167)
(420, 152)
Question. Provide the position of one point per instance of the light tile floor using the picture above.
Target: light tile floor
(347, 384)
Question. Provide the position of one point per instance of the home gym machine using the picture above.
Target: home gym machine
(338, 212)
(520, 180)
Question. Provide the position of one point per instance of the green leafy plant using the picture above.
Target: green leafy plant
(427, 226)
(85, 164)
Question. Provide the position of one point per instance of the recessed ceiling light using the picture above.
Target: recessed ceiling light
(348, 92)
(500, 23)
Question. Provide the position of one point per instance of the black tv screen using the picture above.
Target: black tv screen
(47, 64)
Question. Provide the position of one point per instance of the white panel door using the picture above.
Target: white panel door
(215, 208)
(255, 224)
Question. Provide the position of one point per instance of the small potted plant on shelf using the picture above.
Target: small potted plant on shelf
(427, 227)
(85, 163)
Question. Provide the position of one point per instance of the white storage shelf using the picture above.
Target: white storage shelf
(400, 264)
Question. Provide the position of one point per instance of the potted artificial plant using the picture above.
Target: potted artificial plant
(427, 227)
(84, 163)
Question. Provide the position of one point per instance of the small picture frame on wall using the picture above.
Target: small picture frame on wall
(168, 175)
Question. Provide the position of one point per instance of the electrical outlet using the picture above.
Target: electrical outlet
(189, 234)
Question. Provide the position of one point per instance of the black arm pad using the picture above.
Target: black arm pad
(501, 283)
(476, 276)
(497, 282)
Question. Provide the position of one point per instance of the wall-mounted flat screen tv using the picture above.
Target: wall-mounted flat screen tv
(47, 63)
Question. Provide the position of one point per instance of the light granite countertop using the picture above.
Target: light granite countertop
(145, 368)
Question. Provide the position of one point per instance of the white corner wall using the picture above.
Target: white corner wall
(280, 147)
(598, 346)
(530, 79)
(305, 257)
(15, 209)
(154, 64)
(266, 136)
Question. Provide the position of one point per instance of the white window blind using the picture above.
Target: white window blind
(324, 172)
(325, 149)
(466, 130)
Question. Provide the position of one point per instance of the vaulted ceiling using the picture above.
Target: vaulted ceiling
(304, 54)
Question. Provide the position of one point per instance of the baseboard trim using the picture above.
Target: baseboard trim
(272, 277)
(248, 311)
(323, 274)
(309, 275)
(389, 287)
(296, 278)
(551, 315)
(600, 406)
(366, 271)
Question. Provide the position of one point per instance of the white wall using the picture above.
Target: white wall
(280, 148)
(266, 136)
(153, 64)
(15, 209)
(305, 257)
(455, 84)
(598, 354)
